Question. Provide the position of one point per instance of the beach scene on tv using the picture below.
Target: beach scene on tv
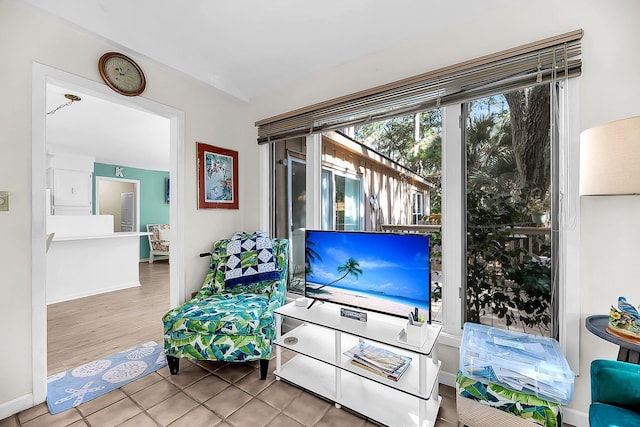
(383, 272)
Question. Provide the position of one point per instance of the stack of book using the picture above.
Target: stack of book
(378, 360)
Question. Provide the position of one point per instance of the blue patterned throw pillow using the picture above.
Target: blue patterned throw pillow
(249, 260)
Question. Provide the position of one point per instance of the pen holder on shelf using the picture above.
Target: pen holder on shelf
(416, 333)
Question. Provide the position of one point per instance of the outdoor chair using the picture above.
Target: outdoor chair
(230, 322)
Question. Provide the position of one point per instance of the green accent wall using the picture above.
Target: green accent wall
(154, 208)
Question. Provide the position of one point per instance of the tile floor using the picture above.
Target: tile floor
(209, 394)
(203, 394)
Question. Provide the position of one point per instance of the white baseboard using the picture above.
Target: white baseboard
(447, 378)
(93, 292)
(155, 258)
(16, 405)
(575, 417)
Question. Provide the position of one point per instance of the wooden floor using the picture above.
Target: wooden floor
(86, 329)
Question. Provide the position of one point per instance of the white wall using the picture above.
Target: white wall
(58, 159)
(110, 199)
(28, 36)
(609, 244)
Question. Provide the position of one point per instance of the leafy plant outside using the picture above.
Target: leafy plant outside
(503, 279)
(505, 182)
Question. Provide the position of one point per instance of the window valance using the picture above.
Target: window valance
(539, 62)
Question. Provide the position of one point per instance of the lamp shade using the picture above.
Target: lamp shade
(610, 158)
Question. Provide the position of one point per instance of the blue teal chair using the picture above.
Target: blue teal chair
(615, 394)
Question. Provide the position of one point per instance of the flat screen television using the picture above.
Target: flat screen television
(382, 272)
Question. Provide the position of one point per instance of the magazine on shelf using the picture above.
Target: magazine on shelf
(395, 376)
(378, 360)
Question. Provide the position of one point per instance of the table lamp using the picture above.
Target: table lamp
(610, 165)
(610, 158)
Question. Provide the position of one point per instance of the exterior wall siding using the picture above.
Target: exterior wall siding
(392, 184)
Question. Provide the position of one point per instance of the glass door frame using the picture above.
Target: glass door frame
(295, 239)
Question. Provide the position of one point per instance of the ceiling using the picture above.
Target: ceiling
(250, 47)
(245, 48)
(106, 131)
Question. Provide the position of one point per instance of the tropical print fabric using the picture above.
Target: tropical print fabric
(223, 325)
(523, 405)
(222, 314)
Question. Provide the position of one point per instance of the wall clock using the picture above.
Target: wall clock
(122, 74)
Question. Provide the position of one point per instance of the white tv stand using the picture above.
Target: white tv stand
(321, 367)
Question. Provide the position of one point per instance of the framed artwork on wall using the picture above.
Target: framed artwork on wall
(217, 177)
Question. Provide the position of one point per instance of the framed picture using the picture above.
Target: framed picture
(217, 177)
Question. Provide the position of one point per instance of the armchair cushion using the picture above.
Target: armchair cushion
(615, 393)
(603, 415)
(227, 314)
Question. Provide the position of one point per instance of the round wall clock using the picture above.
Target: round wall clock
(122, 74)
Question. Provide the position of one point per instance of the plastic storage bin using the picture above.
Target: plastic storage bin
(517, 361)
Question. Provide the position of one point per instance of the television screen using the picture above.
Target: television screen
(382, 272)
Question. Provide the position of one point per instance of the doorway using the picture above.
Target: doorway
(81, 136)
(121, 198)
(42, 76)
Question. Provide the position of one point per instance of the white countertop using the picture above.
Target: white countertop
(102, 236)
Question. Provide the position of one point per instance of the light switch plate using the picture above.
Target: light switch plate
(4, 200)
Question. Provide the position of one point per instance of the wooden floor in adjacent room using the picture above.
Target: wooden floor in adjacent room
(86, 329)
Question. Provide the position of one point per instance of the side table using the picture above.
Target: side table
(629, 351)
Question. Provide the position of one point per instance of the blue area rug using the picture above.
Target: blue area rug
(84, 383)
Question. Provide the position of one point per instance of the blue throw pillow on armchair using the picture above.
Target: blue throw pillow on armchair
(250, 263)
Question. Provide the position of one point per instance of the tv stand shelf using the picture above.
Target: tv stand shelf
(321, 367)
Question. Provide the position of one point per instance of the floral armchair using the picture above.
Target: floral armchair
(159, 240)
(228, 324)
